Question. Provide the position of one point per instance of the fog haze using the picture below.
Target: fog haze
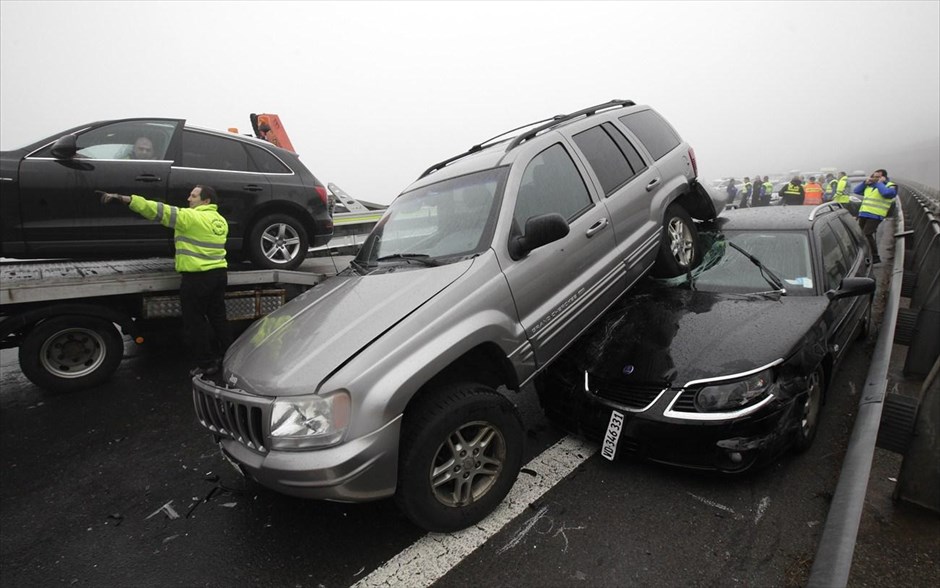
(371, 94)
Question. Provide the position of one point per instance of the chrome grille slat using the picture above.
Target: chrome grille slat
(637, 396)
(228, 413)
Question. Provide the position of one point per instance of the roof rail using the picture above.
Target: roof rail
(829, 206)
(545, 124)
(480, 146)
(566, 117)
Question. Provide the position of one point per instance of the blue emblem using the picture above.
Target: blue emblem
(627, 370)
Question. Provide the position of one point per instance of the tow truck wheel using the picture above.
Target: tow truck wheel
(679, 249)
(71, 353)
(809, 410)
(278, 241)
(460, 454)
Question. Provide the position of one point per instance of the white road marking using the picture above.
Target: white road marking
(435, 554)
(711, 503)
(762, 508)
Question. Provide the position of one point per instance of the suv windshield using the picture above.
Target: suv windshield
(453, 218)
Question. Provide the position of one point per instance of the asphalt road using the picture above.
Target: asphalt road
(85, 477)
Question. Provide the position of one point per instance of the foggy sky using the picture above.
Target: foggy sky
(371, 94)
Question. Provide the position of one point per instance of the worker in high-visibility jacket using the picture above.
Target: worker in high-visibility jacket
(812, 192)
(878, 194)
(792, 193)
(200, 233)
(746, 192)
(768, 191)
(830, 187)
(842, 189)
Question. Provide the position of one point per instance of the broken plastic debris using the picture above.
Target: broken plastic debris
(893, 479)
(116, 516)
(166, 509)
(229, 504)
(170, 538)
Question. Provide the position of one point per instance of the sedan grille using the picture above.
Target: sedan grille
(686, 402)
(635, 396)
(235, 418)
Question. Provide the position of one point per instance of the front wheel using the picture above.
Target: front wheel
(71, 353)
(278, 241)
(809, 411)
(679, 249)
(460, 454)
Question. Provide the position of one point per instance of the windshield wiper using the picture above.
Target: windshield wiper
(419, 257)
(768, 275)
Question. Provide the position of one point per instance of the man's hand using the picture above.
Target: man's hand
(107, 197)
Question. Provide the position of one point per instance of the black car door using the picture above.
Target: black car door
(62, 215)
(841, 258)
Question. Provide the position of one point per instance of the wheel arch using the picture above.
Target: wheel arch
(18, 325)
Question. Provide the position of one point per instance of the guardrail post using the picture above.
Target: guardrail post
(919, 479)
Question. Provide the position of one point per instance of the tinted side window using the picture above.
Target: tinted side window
(633, 156)
(209, 152)
(265, 162)
(137, 139)
(551, 183)
(653, 131)
(605, 158)
(834, 265)
(849, 244)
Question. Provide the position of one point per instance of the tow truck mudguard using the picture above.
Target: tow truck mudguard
(13, 327)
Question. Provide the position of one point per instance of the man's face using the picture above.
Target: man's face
(195, 198)
(143, 148)
(875, 177)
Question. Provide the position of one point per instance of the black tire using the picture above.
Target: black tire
(277, 241)
(445, 434)
(680, 248)
(809, 411)
(69, 353)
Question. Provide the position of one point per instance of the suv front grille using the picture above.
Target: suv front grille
(636, 396)
(229, 417)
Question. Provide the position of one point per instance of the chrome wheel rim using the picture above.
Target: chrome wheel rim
(467, 464)
(280, 243)
(811, 405)
(680, 241)
(73, 353)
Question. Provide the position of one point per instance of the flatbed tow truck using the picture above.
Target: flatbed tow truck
(70, 319)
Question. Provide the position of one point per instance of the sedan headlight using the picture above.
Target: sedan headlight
(309, 421)
(734, 395)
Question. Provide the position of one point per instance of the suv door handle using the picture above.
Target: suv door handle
(596, 227)
(253, 188)
(652, 184)
(147, 178)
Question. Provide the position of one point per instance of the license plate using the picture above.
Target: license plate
(612, 436)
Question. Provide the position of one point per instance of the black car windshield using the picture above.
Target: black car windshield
(446, 221)
(785, 254)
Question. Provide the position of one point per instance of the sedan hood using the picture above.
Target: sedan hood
(672, 336)
(292, 350)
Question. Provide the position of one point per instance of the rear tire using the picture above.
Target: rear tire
(680, 248)
(278, 241)
(71, 353)
(461, 451)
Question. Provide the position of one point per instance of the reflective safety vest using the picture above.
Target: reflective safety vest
(792, 190)
(199, 233)
(813, 194)
(874, 203)
(768, 189)
(842, 195)
(831, 189)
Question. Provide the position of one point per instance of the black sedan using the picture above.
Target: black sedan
(275, 207)
(725, 368)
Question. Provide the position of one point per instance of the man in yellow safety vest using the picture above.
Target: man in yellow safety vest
(878, 194)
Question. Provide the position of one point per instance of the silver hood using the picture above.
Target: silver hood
(291, 351)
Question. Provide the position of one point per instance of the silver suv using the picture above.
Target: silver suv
(392, 378)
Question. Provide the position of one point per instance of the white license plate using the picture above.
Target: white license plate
(612, 436)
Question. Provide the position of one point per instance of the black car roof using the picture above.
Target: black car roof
(774, 218)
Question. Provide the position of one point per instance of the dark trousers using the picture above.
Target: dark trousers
(869, 227)
(205, 328)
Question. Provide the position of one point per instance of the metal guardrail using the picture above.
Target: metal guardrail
(916, 277)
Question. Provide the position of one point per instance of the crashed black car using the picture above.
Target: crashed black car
(727, 367)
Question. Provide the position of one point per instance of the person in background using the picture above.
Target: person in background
(830, 187)
(746, 192)
(200, 233)
(732, 191)
(812, 192)
(878, 194)
(768, 191)
(143, 149)
(792, 194)
(842, 189)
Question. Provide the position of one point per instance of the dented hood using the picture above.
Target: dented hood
(292, 350)
(672, 336)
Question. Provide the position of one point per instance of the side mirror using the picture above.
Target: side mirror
(65, 147)
(852, 287)
(539, 230)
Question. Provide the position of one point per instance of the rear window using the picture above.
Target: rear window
(653, 131)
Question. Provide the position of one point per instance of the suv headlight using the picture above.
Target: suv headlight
(309, 421)
(734, 395)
